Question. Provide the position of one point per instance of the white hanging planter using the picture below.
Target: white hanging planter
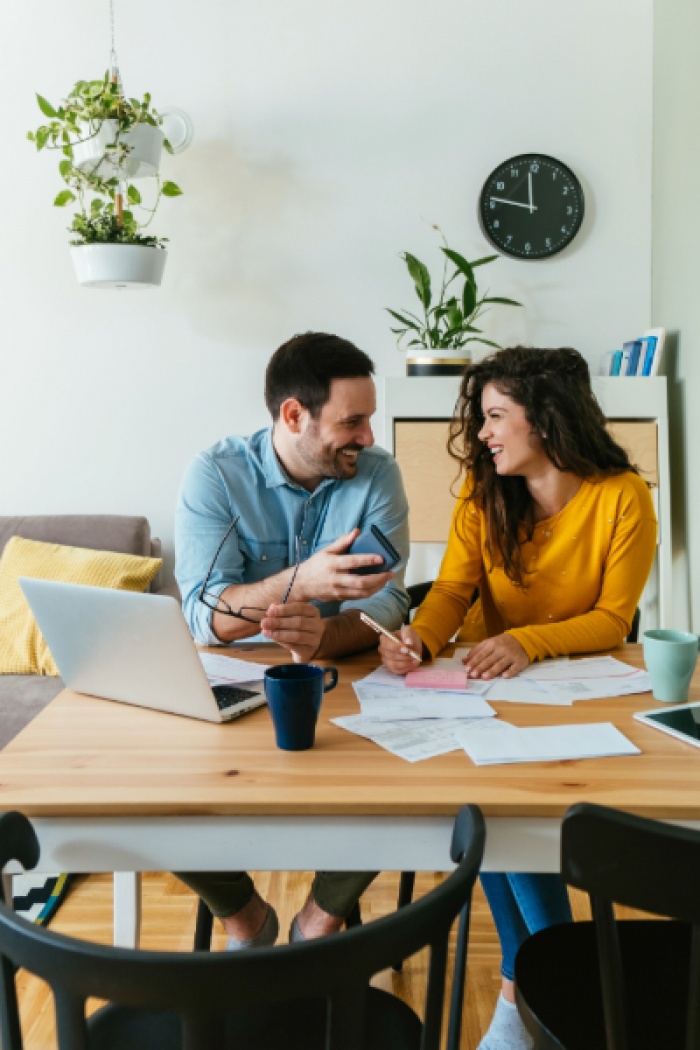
(145, 142)
(122, 266)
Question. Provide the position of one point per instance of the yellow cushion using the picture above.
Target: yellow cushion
(22, 646)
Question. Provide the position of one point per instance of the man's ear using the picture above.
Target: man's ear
(293, 415)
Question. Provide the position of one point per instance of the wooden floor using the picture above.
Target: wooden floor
(169, 910)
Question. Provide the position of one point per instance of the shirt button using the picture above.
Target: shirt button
(548, 533)
(550, 616)
(303, 543)
(264, 557)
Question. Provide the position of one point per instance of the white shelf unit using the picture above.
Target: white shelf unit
(638, 400)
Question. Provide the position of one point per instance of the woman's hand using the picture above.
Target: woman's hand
(396, 658)
(502, 656)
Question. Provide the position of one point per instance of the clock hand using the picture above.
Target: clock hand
(516, 204)
(529, 190)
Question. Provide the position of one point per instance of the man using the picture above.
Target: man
(264, 524)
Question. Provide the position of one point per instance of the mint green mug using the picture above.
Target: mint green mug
(670, 657)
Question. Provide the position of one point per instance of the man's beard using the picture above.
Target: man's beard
(325, 460)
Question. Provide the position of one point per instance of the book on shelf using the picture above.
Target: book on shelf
(638, 357)
(646, 358)
(630, 357)
(611, 363)
(652, 365)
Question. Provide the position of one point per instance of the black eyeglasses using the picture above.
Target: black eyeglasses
(250, 614)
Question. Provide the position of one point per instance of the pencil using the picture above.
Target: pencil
(382, 630)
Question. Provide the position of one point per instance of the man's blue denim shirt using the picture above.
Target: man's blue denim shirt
(243, 476)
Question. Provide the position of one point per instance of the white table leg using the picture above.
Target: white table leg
(127, 908)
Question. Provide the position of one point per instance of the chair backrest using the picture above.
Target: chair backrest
(205, 989)
(418, 592)
(633, 636)
(645, 864)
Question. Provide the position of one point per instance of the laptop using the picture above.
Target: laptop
(134, 648)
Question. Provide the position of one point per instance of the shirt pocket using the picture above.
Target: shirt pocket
(262, 559)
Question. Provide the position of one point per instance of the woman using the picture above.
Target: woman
(557, 531)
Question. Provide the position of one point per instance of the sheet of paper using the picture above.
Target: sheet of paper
(380, 676)
(403, 704)
(222, 670)
(599, 688)
(521, 690)
(472, 687)
(438, 678)
(412, 741)
(449, 663)
(589, 667)
(545, 743)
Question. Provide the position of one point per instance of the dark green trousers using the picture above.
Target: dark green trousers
(225, 893)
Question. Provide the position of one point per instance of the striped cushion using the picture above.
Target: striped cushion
(22, 646)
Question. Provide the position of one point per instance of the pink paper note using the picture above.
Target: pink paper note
(435, 679)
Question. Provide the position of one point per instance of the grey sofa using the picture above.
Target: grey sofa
(24, 696)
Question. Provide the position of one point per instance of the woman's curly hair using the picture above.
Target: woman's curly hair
(554, 388)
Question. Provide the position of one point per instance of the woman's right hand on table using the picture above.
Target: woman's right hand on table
(395, 656)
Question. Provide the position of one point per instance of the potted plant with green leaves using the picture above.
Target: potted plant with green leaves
(107, 142)
(439, 336)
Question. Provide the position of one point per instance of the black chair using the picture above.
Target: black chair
(310, 995)
(633, 636)
(417, 593)
(619, 985)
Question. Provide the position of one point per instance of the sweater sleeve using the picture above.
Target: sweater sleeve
(443, 611)
(626, 568)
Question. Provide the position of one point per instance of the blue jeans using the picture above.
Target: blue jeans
(522, 904)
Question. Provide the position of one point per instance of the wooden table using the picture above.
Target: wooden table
(116, 788)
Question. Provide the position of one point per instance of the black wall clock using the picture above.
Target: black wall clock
(531, 206)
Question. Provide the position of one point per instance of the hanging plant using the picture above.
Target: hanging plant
(106, 141)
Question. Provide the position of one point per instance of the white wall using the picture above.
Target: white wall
(676, 303)
(328, 138)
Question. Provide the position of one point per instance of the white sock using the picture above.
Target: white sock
(506, 1031)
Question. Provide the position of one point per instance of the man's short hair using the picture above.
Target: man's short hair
(306, 365)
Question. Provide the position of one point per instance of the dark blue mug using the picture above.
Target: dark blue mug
(294, 693)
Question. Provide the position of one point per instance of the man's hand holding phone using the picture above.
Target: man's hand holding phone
(396, 655)
(327, 575)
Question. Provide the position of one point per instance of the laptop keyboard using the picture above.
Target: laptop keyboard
(227, 696)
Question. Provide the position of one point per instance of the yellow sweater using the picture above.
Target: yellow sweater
(586, 569)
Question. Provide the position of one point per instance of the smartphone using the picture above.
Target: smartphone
(373, 541)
